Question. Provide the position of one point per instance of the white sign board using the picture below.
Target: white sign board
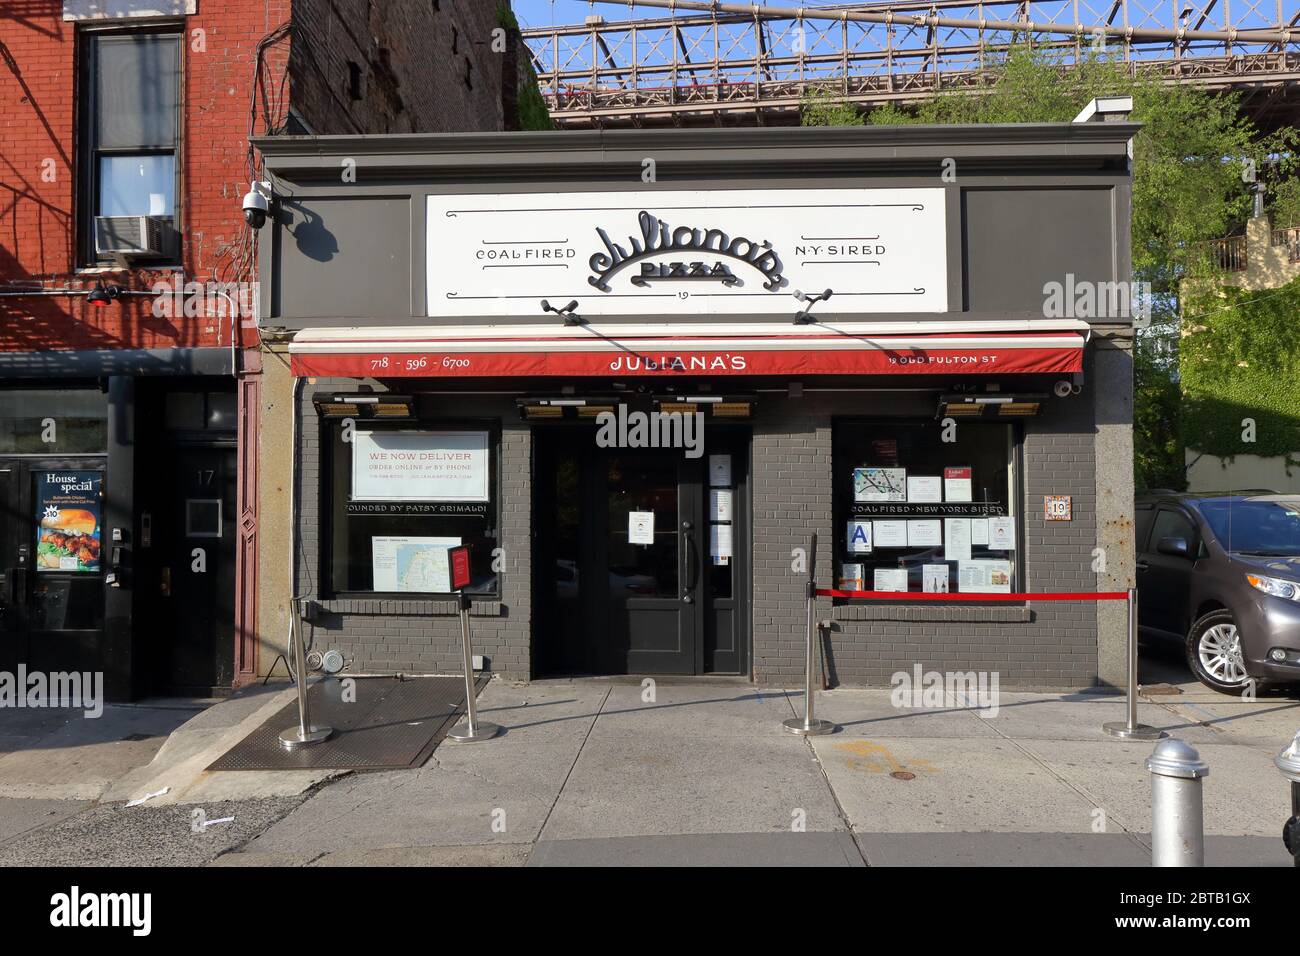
(420, 466)
(687, 252)
(640, 527)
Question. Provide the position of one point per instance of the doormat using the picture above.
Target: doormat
(394, 723)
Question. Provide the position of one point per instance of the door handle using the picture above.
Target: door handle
(1142, 566)
(165, 582)
(689, 583)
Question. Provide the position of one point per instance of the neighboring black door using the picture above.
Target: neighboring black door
(192, 532)
(51, 576)
(618, 592)
(1164, 580)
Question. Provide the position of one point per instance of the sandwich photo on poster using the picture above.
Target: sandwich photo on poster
(68, 532)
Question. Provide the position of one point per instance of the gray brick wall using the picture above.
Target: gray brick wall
(1044, 645)
(423, 637)
(1047, 645)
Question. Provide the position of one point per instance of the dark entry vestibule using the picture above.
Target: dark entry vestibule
(616, 592)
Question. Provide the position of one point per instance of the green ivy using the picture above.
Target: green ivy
(1239, 359)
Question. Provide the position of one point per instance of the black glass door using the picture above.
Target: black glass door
(641, 565)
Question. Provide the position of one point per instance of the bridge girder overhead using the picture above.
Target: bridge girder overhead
(714, 62)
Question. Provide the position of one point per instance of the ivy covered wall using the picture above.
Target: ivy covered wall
(1239, 359)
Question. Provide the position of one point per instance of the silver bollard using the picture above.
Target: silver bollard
(1288, 761)
(808, 725)
(306, 733)
(1177, 810)
(1130, 729)
(471, 730)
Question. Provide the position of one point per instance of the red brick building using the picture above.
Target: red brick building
(130, 354)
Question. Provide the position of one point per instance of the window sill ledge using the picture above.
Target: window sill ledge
(955, 613)
(403, 608)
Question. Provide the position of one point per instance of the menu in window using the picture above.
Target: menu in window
(957, 484)
(925, 533)
(979, 531)
(956, 536)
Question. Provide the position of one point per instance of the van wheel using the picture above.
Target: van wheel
(1214, 653)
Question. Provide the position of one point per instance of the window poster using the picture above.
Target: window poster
(924, 489)
(957, 484)
(719, 471)
(640, 527)
(68, 535)
(859, 537)
(984, 577)
(879, 484)
(851, 578)
(720, 543)
(956, 536)
(979, 531)
(420, 466)
(412, 564)
(934, 578)
(890, 579)
(720, 504)
(889, 534)
(1002, 534)
(925, 533)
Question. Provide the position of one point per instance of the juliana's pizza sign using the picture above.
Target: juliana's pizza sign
(672, 252)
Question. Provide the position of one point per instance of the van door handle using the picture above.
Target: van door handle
(1142, 566)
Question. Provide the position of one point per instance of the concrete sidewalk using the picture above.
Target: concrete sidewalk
(588, 772)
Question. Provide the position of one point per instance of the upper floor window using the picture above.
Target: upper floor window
(130, 143)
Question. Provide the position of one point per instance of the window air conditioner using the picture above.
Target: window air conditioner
(132, 235)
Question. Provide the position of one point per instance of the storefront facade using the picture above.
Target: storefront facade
(583, 355)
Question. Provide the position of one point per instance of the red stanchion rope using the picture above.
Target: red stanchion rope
(953, 596)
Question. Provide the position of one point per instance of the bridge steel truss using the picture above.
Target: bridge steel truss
(711, 62)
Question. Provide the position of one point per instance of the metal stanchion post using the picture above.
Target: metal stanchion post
(306, 733)
(1130, 729)
(1177, 825)
(471, 729)
(808, 725)
(1288, 761)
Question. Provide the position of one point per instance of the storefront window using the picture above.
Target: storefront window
(924, 508)
(36, 421)
(401, 495)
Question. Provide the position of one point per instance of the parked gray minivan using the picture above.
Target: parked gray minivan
(1220, 572)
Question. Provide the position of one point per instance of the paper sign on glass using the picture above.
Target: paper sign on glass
(859, 537)
(720, 501)
(890, 579)
(957, 484)
(400, 563)
(720, 541)
(1002, 534)
(640, 527)
(985, 577)
(934, 578)
(979, 531)
(719, 471)
(956, 535)
(924, 489)
(851, 578)
(879, 484)
(889, 534)
(925, 532)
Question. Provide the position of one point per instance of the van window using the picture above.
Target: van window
(1172, 524)
(1142, 525)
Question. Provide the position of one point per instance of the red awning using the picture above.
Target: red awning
(582, 351)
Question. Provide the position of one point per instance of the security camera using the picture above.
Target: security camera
(1063, 389)
(257, 205)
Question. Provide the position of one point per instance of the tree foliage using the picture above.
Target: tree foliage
(1192, 170)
